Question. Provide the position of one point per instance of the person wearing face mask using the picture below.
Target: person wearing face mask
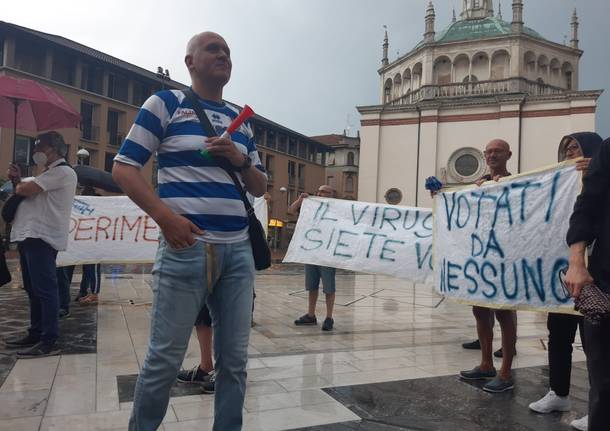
(562, 327)
(40, 228)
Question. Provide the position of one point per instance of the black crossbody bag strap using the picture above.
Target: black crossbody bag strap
(209, 130)
(260, 248)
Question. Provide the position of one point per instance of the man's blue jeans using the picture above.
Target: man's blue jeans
(180, 290)
(37, 259)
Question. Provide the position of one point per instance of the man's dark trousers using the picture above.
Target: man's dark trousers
(40, 282)
(597, 348)
(64, 280)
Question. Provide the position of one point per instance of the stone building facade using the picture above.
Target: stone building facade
(480, 78)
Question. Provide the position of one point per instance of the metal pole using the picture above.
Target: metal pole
(15, 104)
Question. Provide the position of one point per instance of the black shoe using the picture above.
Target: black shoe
(328, 324)
(306, 319)
(196, 375)
(473, 345)
(39, 350)
(27, 341)
(63, 313)
(498, 353)
(209, 386)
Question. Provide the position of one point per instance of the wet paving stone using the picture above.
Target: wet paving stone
(78, 332)
(127, 384)
(445, 403)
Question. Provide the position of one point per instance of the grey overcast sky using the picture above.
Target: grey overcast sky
(305, 64)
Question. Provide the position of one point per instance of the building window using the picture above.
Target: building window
(30, 57)
(330, 181)
(393, 196)
(64, 67)
(302, 150)
(349, 184)
(23, 150)
(114, 127)
(269, 166)
(92, 78)
(117, 87)
(282, 143)
(89, 130)
(259, 136)
(292, 147)
(271, 140)
(292, 167)
(109, 161)
(466, 165)
(350, 159)
(141, 92)
(301, 176)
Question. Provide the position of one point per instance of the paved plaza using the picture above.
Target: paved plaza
(390, 363)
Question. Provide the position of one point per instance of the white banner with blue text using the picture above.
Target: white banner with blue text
(365, 237)
(113, 229)
(503, 244)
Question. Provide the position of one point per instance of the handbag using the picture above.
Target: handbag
(260, 248)
(10, 207)
(592, 303)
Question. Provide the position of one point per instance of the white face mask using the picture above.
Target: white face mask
(40, 158)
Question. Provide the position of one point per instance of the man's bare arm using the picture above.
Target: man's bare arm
(577, 276)
(294, 208)
(255, 180)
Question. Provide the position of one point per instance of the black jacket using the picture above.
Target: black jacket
(590, 220)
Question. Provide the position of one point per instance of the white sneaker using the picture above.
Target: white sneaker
(581, 424)
(551, 402)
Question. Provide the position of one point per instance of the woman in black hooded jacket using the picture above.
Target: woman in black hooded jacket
(562, 327)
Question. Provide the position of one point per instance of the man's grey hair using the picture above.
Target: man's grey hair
(54, 140)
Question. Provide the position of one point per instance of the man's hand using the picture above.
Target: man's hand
(303, 196)
(480, 182)
(14, 174)
(577, 277)
(223, 147)
(582, 164)
(178, 231)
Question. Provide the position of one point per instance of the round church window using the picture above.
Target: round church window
(466, 165)
(393, 196)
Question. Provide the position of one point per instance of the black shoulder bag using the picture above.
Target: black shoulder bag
(260, 248)
(10, 206)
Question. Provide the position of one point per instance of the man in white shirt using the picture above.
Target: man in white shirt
(40, 227)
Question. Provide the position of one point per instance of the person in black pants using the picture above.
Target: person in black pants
(562, 327)
(590, 225)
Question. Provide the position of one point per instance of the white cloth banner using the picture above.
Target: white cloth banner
(503, 244)
(115, 230)
(365, 237)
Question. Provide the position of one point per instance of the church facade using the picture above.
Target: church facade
(481, 78)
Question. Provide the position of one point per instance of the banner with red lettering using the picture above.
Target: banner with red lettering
(113, 229)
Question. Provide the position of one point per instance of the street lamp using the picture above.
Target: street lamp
(81, 155)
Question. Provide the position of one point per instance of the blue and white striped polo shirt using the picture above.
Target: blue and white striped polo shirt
(190, 184)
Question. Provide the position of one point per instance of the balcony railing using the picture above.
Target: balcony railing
(89, 132)
(479, 88)
(115, 139)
